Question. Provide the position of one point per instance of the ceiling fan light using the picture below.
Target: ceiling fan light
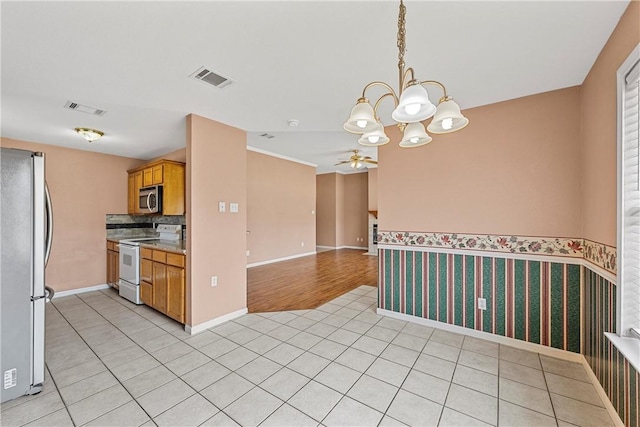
(448, 118)
(89, 134)
(414, 136)
(361, 119)
(414, 105)
(374, 138)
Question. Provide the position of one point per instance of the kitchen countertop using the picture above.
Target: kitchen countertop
(176, 246)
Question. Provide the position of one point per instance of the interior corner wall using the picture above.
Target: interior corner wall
(75, 178)
(372, 183)
(599, 131)
(326, 210)
(356, 210)
(281, 196)
(340, 203)
(216, 241)
(514, 170)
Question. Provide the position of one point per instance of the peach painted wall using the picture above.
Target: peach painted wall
(372, 184)
(356, 216)
(281, 196)
(340, 210)
(598, 135)
(84, 186)
(326, 209)
(514, 170)
(216, 242)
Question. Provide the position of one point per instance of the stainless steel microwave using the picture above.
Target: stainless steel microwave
(150, 199)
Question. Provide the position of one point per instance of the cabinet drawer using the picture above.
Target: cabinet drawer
(175, 259)
(160, 256)
(145, 253)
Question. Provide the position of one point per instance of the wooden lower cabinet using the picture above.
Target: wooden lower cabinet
(146, 293)
(163, 285)
(175, 293)
(113, 264)
(159, 280)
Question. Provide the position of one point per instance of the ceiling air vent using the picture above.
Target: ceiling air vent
(84, 108)
(210, 77)
(266, 135)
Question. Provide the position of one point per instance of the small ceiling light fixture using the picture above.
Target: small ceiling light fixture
(293, 123)
(412, 106)
(89, 134)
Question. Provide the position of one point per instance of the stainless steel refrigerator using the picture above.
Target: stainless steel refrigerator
(26, 228)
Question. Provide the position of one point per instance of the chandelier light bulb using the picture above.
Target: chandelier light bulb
(412, 109)
(447, 124)
(414, 139)
(361, 123)
(374, 139)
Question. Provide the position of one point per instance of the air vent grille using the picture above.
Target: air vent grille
(206, 75)
(84, 108)
(266, 135)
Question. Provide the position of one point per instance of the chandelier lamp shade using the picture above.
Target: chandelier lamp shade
(89, 134)
(412, 106)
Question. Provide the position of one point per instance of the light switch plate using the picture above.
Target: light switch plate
(222, 206)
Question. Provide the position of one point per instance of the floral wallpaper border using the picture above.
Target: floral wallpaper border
(597, 253)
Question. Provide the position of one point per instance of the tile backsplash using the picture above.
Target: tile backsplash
(123, 226)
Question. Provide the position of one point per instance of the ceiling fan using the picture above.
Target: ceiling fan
(356, 161)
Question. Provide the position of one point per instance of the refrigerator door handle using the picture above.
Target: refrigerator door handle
(49, 293)
(49, 237)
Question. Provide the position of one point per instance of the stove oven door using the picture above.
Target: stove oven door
(130, 263)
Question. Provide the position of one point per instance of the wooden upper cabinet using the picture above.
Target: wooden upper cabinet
(169, 174)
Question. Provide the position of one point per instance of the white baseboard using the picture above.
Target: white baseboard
(214, 322)
(603, 394)
(325, 247)
(512, 342)
(363, 248)
(80, 290)
(271, 261)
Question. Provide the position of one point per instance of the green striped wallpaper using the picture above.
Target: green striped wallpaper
(618, 377)
(534, 301)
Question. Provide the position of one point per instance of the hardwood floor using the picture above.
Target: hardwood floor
(310, 281)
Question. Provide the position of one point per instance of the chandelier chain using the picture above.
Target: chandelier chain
(401, 34)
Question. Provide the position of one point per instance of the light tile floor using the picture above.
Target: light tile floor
(110, 362)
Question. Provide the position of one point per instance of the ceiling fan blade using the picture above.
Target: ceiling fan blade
(343, 162)
(373, 162)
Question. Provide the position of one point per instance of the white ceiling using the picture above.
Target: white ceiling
(301, 60)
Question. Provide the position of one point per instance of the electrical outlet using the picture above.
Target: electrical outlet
(214, 281)
(248, 252)
(302, 244)
(482, 304)
(233, 207)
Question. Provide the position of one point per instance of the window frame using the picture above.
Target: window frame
(622, 329)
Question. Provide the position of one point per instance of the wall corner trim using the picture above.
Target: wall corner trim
(523, 345)
(192, 330)
(80, 290)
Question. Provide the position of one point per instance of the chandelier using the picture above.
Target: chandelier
(412, 106)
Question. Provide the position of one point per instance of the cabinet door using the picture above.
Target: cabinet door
(147, 178)
(159, 281)
(175, 293)
(157, 174)
(138, 186)
(146, 267)
(109, 267)
(146, 293)
(132, 194)
(116, 267)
